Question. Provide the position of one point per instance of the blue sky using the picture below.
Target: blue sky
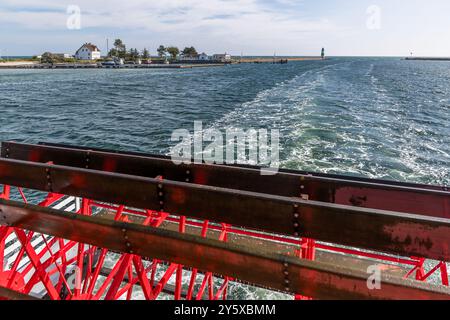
(254, 27)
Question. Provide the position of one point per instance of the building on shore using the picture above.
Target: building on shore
(194, 57)
(203, 57)
(60, 56)
(222, 57)
(63, 55)
(88, 51)
(191, 57)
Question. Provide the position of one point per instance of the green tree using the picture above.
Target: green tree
(161, 51)
(173, 51)
(48, 57)
(121, 49)
(113, 53)
(133, 54)
(122, 53)
(118, 44)
(145, 54)
(190, 52)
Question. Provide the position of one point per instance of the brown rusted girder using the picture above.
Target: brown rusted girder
(420, 199)
(8, 294)
(390, 232)
(275, 271)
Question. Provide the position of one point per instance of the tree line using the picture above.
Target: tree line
(120, 50)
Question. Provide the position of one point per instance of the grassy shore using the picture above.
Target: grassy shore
(31, 65)
(24, 63)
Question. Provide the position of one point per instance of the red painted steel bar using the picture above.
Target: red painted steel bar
(271, 237)
(311, 278)
(68, 149)
(377, 230)
(377, 194)
(120, 208)
(244, 166)
(90, 259)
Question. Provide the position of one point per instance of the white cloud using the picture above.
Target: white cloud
(247, 23)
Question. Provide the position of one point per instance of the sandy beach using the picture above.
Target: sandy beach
(16, 63)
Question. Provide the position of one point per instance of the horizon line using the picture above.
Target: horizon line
(284, 55)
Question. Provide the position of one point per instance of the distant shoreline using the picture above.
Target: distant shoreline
(24, 64)
(428, 58)
(35, 65)
(264, 59)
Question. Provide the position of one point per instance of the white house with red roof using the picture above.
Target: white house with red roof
(88, 51)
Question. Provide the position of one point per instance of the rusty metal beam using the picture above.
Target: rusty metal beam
(246, 166)
(9, 294)
(383, 195)
(347, 260)
(270, 270)
(391, 232)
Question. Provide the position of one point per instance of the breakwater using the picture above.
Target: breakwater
(277, 59)
(428, 58)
